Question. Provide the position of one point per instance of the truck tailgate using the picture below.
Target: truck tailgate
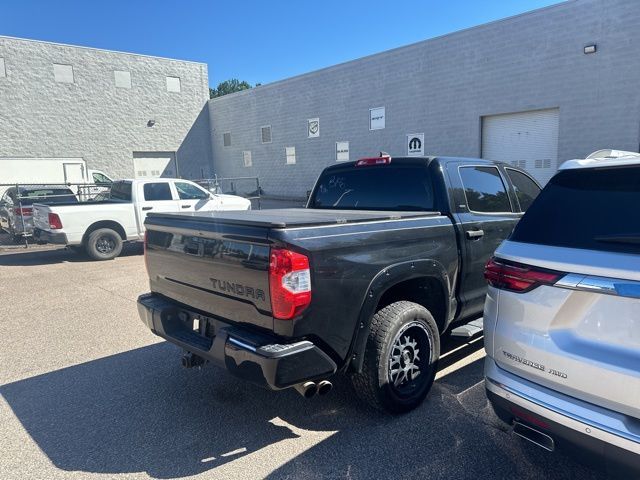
(219, 268)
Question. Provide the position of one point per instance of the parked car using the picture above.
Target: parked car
(101, 227)
(16, 206)
(388, 254)
(562, 316)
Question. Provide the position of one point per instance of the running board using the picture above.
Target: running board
(468, 330)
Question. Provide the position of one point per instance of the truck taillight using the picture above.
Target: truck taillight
(517, 277)
(26, 211)
(54, 221)
(289, 283)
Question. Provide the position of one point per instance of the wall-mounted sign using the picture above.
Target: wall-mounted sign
(313, 128)
(415, 144)
(342, 151)
(376, 118)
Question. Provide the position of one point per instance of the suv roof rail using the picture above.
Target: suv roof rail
(609, 153)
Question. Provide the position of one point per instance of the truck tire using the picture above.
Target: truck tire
(103, 244)
(401, 358)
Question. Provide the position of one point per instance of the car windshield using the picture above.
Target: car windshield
(384, 187)
(594, 209)
(47, 196)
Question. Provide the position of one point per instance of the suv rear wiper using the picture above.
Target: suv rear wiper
(633, 239)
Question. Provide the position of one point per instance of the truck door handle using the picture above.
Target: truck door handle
(185, 206)
(475, 234)
(147, 208)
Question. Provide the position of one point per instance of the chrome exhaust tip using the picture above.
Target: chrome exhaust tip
(307, 389)
(534, 436)
(324, 387)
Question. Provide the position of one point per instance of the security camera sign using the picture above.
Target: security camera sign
(415, 144)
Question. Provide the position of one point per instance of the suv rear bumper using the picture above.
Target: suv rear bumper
(567, 420)
(256, 357)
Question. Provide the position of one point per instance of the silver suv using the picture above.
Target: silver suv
(562, 316)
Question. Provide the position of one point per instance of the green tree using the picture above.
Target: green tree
(229, 86)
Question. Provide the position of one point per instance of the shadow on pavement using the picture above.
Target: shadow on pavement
(139, 411)
(26, 257)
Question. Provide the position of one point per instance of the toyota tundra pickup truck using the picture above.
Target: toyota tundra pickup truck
(101, 227)
(388, 256)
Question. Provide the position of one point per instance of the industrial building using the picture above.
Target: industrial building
(533, 90)
(128, 115)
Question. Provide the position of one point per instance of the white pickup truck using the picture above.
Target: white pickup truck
(101, 227)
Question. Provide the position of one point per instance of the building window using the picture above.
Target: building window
(173, 84)
(63, 73)
(342, 151)
(122, 78)
(3, 70)
(376, 118)
(290, 153)
(246, 158)
(226, 139)
(265, 133)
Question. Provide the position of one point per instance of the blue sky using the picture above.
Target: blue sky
(257, 41)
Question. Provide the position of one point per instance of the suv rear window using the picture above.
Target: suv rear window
(594, 209)
(47, 196)
(385, 187)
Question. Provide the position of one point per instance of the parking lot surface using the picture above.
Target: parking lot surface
(88, 392)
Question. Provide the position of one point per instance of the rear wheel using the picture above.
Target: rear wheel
(401, 358)
(103, 244)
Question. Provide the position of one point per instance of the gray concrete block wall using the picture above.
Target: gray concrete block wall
(443, 87)
(93, 119)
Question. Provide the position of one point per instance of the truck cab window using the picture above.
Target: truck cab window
(484, 190)
(385, 187)
(526, 189)
(157, 191)
(121, 191)
(100, 179)
(186, 191)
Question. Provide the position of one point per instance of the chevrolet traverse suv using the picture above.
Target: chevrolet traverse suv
(562, 315)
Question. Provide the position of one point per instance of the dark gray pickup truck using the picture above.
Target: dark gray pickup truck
(388, 256)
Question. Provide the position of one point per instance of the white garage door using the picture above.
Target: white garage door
(154, 164)
(527, 140)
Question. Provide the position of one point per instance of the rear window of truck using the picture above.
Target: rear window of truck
(121, 191)
(385, 187)
(594, 209)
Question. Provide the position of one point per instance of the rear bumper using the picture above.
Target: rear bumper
(44, 236)
(256, 357)
(570, 422)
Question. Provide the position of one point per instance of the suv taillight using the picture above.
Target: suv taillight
(289, 283)
(517, 277)
(54, 221)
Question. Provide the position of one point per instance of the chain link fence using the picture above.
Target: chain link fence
(247, 187)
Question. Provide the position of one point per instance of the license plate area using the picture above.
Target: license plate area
(199, 324)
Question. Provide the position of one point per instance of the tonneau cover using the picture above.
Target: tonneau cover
(292, 217)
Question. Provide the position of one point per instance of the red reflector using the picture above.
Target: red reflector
(373, 161)
(529, 418)
(289, 283)
(26, 211)
(54, 221)
(518, 277)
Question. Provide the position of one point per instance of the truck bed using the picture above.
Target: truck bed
(292, 217)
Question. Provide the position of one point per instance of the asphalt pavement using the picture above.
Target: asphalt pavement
(86, 391)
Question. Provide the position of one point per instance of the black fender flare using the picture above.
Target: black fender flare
(383, 281)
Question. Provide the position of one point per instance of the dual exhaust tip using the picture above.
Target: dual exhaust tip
(311, 389)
